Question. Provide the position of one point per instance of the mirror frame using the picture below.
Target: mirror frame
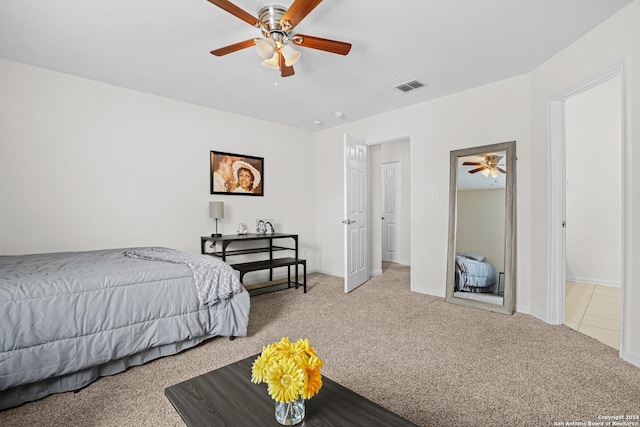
(508, 300)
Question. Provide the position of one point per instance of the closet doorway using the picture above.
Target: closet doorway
(390, 193)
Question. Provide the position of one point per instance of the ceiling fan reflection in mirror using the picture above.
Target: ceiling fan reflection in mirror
(490, 166)
(276, 24)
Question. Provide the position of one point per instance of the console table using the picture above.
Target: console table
(269, 264)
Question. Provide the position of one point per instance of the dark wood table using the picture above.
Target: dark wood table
(227, 397)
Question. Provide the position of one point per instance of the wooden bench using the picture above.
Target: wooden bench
(246, 267)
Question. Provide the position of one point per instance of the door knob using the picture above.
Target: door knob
(347, 221)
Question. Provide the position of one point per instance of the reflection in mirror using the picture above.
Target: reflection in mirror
(480, 269)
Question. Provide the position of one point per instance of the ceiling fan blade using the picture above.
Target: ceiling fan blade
(502, 170)
(237, 12)
(233, 47)
(477, 169)
(296, 13)
(472, 164)
(327, 45)
(285, 71)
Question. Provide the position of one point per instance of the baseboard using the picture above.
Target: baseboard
(433, 292)
(524, 309)
(329, 273)
(591, 281)
(539, 315)
(375, 273)
(631, 357)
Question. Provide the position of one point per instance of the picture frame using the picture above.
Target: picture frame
(236, 174)
(265, 226)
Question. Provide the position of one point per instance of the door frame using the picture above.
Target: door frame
(556, 200)
(412, 192)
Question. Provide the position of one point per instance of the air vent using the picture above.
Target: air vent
(406, 87)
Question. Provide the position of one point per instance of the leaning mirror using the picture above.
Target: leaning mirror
(481, 254)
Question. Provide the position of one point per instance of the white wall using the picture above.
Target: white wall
(594, 188)
(85, 165)
(611, 42)
(481, 224)
(490, 114)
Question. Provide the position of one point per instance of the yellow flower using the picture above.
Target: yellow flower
(285, 379)
(260, 365)
(283, 345)
(306, 347)
(312, 379)
(291, 370)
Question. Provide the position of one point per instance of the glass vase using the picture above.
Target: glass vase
(290, 413)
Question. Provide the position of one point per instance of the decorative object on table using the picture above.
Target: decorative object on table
(242, 228)
(292, 373)
(265, 226)
(216, 211)
(236, 174)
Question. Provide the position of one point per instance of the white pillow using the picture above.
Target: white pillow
(472, 255)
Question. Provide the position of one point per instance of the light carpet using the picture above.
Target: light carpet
(434, 363)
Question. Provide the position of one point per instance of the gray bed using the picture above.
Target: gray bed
(67, 319)
(474, 273)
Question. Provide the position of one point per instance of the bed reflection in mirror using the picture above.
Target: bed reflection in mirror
(481, 236)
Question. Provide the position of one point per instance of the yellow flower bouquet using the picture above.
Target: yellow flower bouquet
(292, 373)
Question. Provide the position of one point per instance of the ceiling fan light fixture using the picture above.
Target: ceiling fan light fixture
(494, 172)
(291, 55)
(485, 172)
(271, 62)
(265, 48)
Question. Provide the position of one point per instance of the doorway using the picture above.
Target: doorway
(394, 154)
(593, 224)
(557, 214)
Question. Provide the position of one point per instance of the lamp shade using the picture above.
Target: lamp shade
(271, 62)
(216, 210)
(265, 48)
(291, 55)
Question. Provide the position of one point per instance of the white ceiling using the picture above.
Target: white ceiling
(162, 47)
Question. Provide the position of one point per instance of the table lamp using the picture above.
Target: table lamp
(216, 211)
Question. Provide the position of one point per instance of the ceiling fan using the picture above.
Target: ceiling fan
(489, 167)
(276, 24)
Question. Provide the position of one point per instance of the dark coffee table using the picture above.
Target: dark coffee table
(227, 397)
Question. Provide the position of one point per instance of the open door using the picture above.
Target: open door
(356, 213)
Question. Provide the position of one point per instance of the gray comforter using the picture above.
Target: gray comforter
(68, 318)
(473, 275)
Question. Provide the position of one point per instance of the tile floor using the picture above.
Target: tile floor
(594, 310)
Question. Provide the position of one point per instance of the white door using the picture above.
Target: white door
(356, 218)
(391, 206)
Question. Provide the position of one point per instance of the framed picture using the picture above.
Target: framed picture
(236, 174)
(265, 226)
